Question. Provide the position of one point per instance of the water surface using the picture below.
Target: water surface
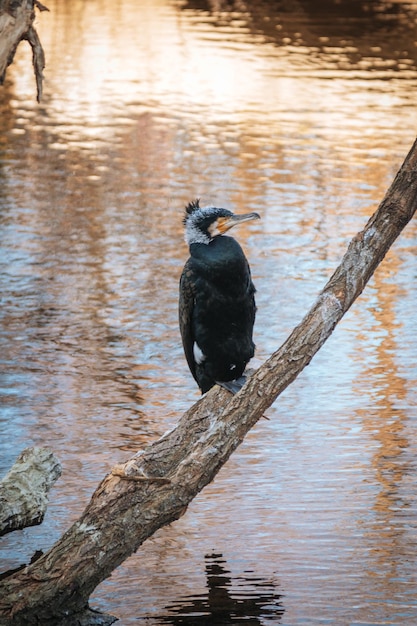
(303, 114)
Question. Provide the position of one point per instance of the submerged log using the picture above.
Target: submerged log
(24, 489)
(156, 485)
(16, 24)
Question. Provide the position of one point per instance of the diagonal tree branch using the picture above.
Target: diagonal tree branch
(155, 487)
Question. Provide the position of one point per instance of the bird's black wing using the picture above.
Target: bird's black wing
(186, 307)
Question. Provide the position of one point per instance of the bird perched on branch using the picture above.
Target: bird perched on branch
(217, 303)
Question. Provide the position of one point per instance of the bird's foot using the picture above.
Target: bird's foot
(232, 385)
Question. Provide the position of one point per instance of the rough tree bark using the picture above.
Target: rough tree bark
(24, 489)
(16, 24)
(155, 486)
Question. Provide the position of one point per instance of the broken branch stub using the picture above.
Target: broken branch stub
(16, 24)
(24, 489)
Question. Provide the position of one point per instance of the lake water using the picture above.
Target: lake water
(302, 112)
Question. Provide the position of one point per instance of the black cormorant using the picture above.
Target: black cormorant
(217, 301)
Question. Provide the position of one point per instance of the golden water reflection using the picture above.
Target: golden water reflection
(386, 418)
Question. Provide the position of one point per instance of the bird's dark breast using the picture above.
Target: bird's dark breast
(224, 308)
(223, 264)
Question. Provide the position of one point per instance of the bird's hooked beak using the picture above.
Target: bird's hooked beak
(224, 224)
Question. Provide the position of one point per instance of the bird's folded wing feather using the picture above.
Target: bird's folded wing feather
(186, 306)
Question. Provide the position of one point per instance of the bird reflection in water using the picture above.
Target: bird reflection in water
(243, 600)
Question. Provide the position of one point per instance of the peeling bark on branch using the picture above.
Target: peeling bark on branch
(24, 489)
(16, 24)
(155, 486)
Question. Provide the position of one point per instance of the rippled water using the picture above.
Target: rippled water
(302, 112)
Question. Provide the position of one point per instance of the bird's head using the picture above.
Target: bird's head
(202, 224)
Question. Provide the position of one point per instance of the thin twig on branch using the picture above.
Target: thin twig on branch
(38, 59)
(124, 512)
